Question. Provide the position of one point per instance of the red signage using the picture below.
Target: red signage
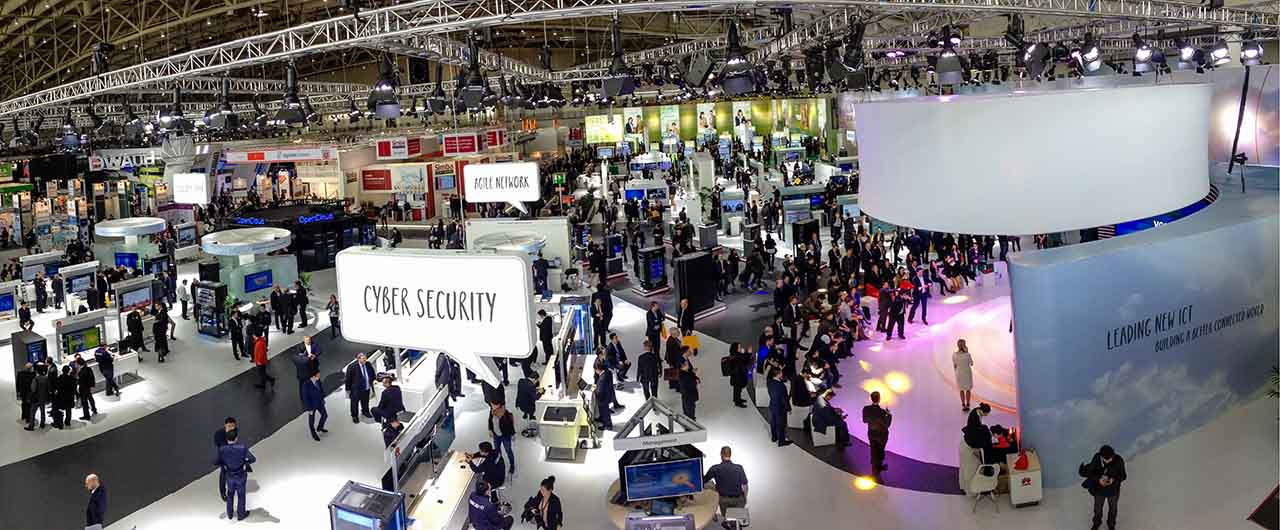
(376, 179)
(461, 144)
(495, 137)
(398, 148)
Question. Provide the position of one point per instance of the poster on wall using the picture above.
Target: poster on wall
(461, 143)
(409, 178)
(633, 128)
(669, 120)
(706, 123)
(743, 128)
(375, 180)
(604, 129)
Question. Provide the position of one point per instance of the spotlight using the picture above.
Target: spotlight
(310, 112)
(472, 89)
(225, 118)
(290, 112)
(383, 101)
(1142, 55)
(102, 57)
(551, 95)
(738, 77)
(70, 136)
(172, 119)
(1219, 54)
(853, 51)
(1088, 57)
(132, 123)
(353, 113)
(437, 102)
(620, 81)
(1250, 50)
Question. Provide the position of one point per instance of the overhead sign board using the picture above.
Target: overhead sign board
(513, 182)
(397, 148)
(117, 159)
(281, 155)
(191, 188)
(472, 307)
(461, 143)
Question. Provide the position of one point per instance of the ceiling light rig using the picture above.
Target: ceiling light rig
(224, 118)
(1250, 50)
(738, 77)
(437, 101)
(291, 112)
(620, 80)
(948, 65)
(472, 86)
(383, 99)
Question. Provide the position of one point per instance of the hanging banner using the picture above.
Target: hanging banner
(706, 124)
(461, 143)
(495, 137)
(634, 124)
(605, 129)
(281, 155)
(669, 120)
(117, 159)
(398, 148)
(743, 128)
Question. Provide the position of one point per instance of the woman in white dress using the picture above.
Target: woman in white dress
(963, 364)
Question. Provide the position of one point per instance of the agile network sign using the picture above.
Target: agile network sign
(472, 307)
(512, 182)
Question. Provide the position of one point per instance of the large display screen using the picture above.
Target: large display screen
(157, 265)
(51, 268)
(657, 268)
(186, 236)
(605, 129)
(82, 340)
(732, 206)
(664, 479)
(633, 195)
(29, 272)
(126, 259)
(135, 299)
(816, 201)
(257, 281)
(6, 302)
(79, 284)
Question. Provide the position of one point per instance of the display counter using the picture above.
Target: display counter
(79, 334)
(441, 504)
(1025, 486)
(702, 506)
(562, 420)
(123, 364)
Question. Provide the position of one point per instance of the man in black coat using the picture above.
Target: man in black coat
(390, 404)
(59, 291)
(304, 363)
(300, 302)
(133, 323)
(235, 328)
(445, 375)
(360, 377)
(106, 365)
(220, 436)
(1103, 476)
(277, 307)
(653, 322)
(606, 398)
(42, 294)
(95, 513)
(648, 370)
(605, 296)
(685, 320)
(22, 381)
(84, 387)
(544, 334)
(24, 317)
(527, 395)
(779, 405)
(878, 420)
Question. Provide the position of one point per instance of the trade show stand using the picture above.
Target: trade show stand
(121, 243)
(126, 363)
(564, 421)
(652, 275)
(701, 507)
(441, 501)
(553, 232)
(78, 279)
(319, 230)
(131, 294)
(81, 334)
(9, 301)
(244, 266)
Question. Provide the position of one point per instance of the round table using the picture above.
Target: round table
(246, 241)
(703, 506)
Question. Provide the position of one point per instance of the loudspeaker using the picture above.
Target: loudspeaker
(418, 69)
(698, 72)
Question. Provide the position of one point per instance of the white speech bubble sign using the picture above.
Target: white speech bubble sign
(510, 182)
(471, 306)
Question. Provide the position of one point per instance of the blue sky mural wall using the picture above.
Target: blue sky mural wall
(1135, 341)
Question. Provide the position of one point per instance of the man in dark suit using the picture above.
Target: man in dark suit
(653, 322)
(306, 361)
(390, 431)
(878, 420)
(277, 307)
(544, 334)
(96, 511)
(300, 302)
(779, 404)
(606, 398)
(648, 370)
(287, 311)
(920, 296)
(234, 459)
(24, 317)
(313, 402)
(106, 364)
(84, 387)
(793, 317)
(220, 437)
(235, 328)
(391, 402)
(22, 382)
(359, 382)
(685, 320)
(605, 296)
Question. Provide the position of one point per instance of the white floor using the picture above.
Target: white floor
(297, 477)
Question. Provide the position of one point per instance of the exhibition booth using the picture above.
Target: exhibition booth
(125, 243)
(248, 266)
(320, 229)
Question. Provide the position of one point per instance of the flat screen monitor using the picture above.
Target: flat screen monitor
(657, 193)
(37, 351)
(604, 152)
(663, 479)
(186, 236)
(29, 272)
(51, 268)
(157, 265)
(657, 268)
(127, 260)
(257, 281)
(732, 206)
(791, 156)
(816, 201)
(851, 211)
(79, 284)
(445, 182)
(136, 299)
(633, 195)
(82, 340)
(6, 302)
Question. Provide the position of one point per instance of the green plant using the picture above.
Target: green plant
(305, 278)
(1274, 378)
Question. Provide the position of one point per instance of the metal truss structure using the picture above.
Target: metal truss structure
(434, 17)
(449, 51)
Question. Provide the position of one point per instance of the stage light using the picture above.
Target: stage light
(353, 113)
(310, 112)
(1142, 55)
(738, 77)
(948, 65)
(853, 50)
(1250, 50)
(173, 119)
(225, 118)
(290, 112)
(383, 101)
(472, 88)
(437, 101)
(1087, 57)
(866, 366)
(620, 81)
(887, 396)
(864, 483)
(70, 137)
(955, 299)
(1220, 54)
(898, 382)
(550, 93)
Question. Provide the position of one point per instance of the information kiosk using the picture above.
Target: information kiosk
(244, 264)
(131, 294)
(653, 271)
(123, 242)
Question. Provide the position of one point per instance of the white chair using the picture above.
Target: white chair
(796, 418)
(824, 439)
(762, 389)
(983, 484)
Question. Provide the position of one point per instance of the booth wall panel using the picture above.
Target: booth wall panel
(1034, 162)
(1083, 381)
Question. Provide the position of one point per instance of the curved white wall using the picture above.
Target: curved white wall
(1029, 163)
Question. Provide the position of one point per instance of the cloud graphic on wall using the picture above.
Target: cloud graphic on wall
(1137, 409)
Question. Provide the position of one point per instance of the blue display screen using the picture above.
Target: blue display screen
(657, 268)
(633, 195)
(354, 518)
(732, 205)
(1152, 222)
(605, 152)
(79, 284)
(37, 351)
(51, 268)
(665, 479)
(445, 183)
(126, 259)
(6, 302)
(257, 281)
(815, 201)
(791, 156)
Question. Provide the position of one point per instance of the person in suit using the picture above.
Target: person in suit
(287, 311)
(617, 357)
(482, 511)
(445, 374)
(234, 460)
(792, 316)
(779, 405)
(133, 323)
(277, 307)
(300, 302)
(740, 365)
(605, 296)
(22, 383)
(160, 331)
(40, 394)
(674, 355)
(84, 386)
(897, 313)
(878, 420)
(235, 329)
(648, 370)
(548, 513)
(606, 397)
(95, 513)
(688, 382)
(1103, 476)
(920, 296)
(359, 383)
(59, 290)
(42, 294)
(220, 439)
(685, 320)
(491, 468)
(390, 431)
(305, 361)
(653, 322)
(544, 334)
(24, 317)
(64, 397)
(826, 417)
(106, 364)
(390, 404)
(527, 394)
(313, 402)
